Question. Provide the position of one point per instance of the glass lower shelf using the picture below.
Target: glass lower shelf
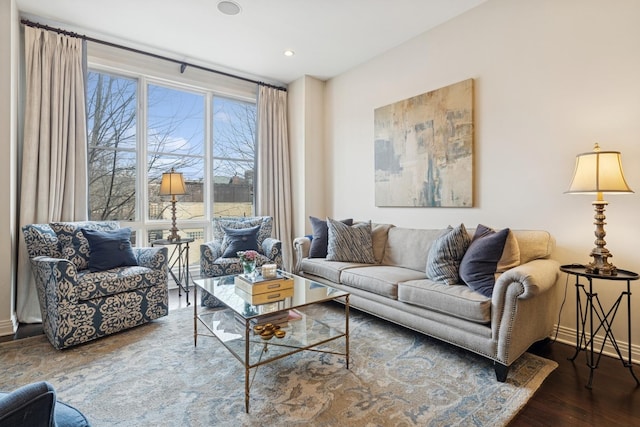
(302, 331)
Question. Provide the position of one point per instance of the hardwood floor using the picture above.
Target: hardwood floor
(562, 400)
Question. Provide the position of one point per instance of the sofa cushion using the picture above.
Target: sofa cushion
(320, 239)
(350, 244)
(407, 247)
(489, 253)
(73, 245)
(534, 244)
(379, 236)
(379, 279)
(240, 239)
(457, 300)
(115, 281)
(109, 249)
(446, 254)
(330, 270)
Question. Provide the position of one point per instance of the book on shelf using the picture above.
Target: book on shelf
(263, 286)
(265, 297)
(258, 278)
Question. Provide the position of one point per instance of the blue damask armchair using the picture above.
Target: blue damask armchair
(78, 303)
(214, 264)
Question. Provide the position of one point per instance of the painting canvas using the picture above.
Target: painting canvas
(424, 149)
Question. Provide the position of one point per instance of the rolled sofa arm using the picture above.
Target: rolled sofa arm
(523, 307)
(536, 277)
(155, 258)
(57, 278)
(272, 249)
(209, 253)
(301, 247)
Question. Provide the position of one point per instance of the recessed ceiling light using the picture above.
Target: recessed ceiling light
(229, 7)
(289, 52)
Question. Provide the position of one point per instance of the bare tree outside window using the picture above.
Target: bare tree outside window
(112, 120)
(234, 148)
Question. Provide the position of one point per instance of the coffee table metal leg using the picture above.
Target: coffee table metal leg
(195, 317)
(246, 366)
(346, 315)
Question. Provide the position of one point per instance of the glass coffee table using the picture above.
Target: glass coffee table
(241, 319)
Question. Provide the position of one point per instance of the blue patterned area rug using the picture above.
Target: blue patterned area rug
(154, 376)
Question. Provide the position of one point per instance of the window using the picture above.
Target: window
(112, 120)
(140, 127)
(233, 157)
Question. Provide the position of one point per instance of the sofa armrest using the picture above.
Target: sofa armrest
(57, 279)
(301, 246)
(536, 277)
(155, 258)
(272, 249)
(209, 253)
(524, 306)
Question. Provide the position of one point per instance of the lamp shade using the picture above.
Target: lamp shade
(172, 184)
(598, 172)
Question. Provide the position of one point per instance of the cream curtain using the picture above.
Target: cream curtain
(274, 175)
(53, 186)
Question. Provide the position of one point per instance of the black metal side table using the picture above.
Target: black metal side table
(180, 263)
(593, 307)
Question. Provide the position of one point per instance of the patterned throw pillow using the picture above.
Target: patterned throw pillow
(350, 244)
(73, 245)
(265, 223)
(490, 253)
(445, 255)
(320, 241)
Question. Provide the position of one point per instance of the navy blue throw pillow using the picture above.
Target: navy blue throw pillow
(241, 239)
(489, 253)
(320, 240)
(109, 249)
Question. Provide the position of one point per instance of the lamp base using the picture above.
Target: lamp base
(600, 254)
(173, 236)
(600, 265)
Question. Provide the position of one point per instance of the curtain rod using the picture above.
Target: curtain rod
(183, 64)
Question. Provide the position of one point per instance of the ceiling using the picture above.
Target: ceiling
(328, 37)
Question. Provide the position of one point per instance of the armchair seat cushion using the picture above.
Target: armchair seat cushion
(226, 266)
(117, 280)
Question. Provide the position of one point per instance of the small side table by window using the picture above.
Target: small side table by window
(594, 317)
(179, 267)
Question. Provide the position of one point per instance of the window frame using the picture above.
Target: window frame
(147, 71)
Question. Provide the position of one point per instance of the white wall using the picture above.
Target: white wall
(8, 168)
(551, 78)
(306, 135)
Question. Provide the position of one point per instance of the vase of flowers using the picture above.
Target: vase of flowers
(248, 260)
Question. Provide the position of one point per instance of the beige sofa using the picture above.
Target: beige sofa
(520, 312)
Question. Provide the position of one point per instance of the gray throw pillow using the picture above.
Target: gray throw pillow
(350, 244)
(445, 255)
(320, 240)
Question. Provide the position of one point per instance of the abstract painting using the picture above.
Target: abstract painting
(424, 149)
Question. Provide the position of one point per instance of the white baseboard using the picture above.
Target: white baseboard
(568, 336)
(8, 327)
